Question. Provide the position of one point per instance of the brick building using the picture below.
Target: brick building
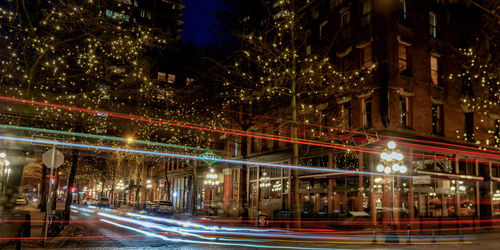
(412, 99)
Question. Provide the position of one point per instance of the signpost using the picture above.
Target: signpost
(52, 159)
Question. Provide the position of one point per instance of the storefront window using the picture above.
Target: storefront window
(467, 192)
(467, 166)
(276, 189)
(427, 161)
(496, 198)
(253, 173)
(436, 198)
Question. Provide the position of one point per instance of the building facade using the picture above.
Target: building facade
(414, 98)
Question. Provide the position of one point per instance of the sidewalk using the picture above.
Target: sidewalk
(37, 223)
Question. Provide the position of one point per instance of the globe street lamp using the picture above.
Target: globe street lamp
(391, 162)
(148, 186)
(211, 180)
(121, 187)
(5, 163)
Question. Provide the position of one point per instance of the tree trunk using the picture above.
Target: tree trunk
(167, 183)
(295, 147)
(53, 195)
(243, 171)
(71, 181)
(113, 176)
(194, 186)
(42, 205)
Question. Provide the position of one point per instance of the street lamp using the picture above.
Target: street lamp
(391, 162)
(120, 186)
(5, 163)
(148, 186)
(211, 180)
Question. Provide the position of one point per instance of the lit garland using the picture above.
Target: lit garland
(261, 75)
(74, 53)
(480, 94)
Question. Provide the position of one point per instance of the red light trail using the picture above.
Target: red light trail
(265, 136)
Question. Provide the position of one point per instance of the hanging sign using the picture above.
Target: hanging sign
(210, 157)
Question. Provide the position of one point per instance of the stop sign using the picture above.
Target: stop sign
(58, 158)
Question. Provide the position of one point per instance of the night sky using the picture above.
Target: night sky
(197, 18)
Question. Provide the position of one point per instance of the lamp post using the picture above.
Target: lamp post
(5, 163)
(148, 186)
(120, 186)
(211, 180)
(391, 162)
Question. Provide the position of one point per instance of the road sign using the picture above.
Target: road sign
(58, 158)
(210, 157)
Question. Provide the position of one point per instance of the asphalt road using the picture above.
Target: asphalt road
(107, 229)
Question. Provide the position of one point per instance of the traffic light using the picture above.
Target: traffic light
(73, 189)
(53, 180)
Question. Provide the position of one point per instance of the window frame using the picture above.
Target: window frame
(405, 59)
(434, 80)
(437, 119)
(363, 62)
(404, 10)
(366, 17)
(367, 117)
(321, 28)
(405, 115)
(432, 24)
(345, 27)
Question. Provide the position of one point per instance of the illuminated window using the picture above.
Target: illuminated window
(366, 13)
(434, 70)
(437, 119)
(403, 57)
(117, 15)
(432, 24)
(366, 57)
(171, 78)
(162, 76)
(367, 112)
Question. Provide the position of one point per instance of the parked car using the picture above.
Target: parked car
(86, 201)
(160, 207)
(21, 200)
(103, 202)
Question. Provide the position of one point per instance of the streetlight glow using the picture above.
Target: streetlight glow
(2, 155)
(383, 156)
(391, 145)
(395, 167)
(380, 168)
(403, 169)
